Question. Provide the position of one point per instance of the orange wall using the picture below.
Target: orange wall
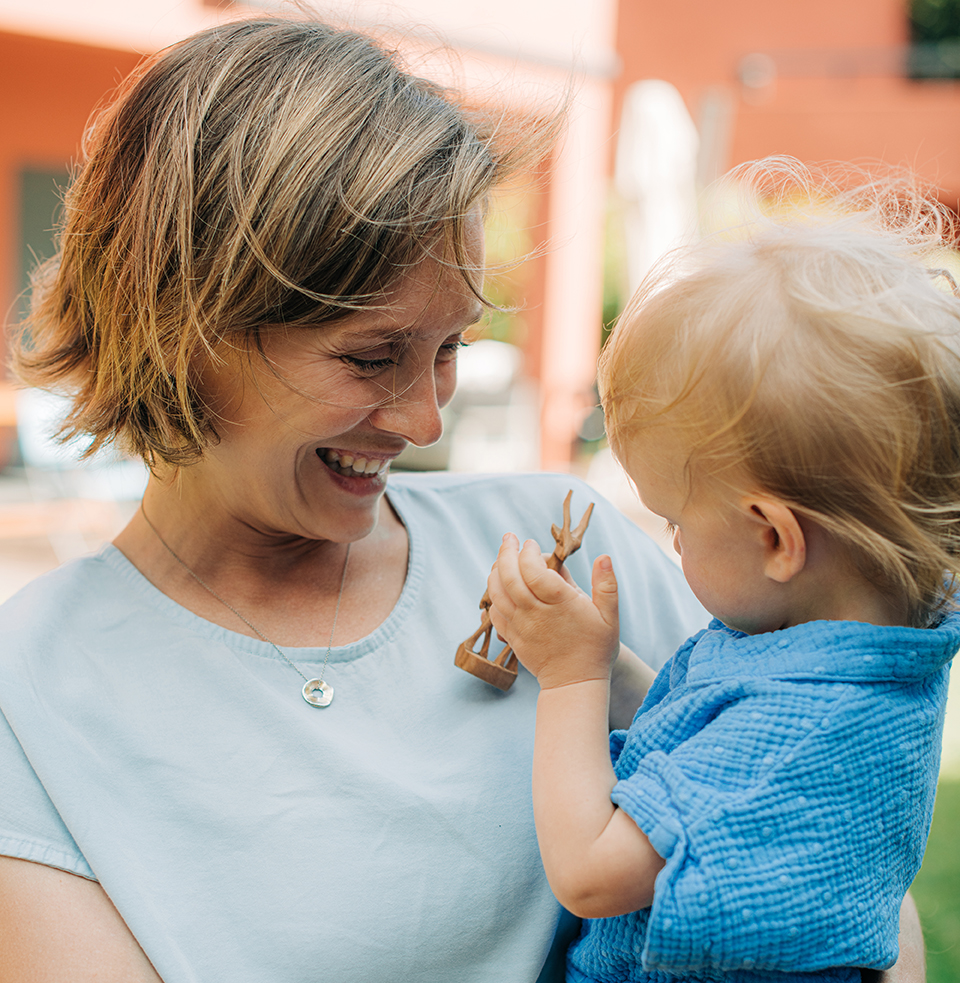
(698, 44)
(898, 121)
(47, 92)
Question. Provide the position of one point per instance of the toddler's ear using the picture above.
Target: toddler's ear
(784, 545)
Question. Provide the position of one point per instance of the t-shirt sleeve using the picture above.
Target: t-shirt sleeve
(30, 826)
(766, 868)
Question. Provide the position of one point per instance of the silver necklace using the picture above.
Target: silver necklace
(315, 691)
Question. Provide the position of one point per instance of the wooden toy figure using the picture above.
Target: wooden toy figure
(502, 671)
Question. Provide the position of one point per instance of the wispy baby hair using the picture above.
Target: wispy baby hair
(814, 353)
(268, 171)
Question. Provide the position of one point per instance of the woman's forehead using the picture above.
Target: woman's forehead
(424, 300)
(369, 329)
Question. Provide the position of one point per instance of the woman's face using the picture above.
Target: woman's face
(308, 434)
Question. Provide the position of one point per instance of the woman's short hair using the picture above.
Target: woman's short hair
(263, 172)
(814, 353)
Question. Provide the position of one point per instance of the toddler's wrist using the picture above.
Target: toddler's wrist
(573, 676)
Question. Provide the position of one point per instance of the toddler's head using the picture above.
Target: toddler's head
(812, 362)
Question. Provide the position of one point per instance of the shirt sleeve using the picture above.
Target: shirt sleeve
(30, 826)
(781, 855)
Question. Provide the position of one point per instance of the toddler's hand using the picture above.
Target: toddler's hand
(559, 633)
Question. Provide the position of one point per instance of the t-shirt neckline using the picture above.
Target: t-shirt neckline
(379, 637)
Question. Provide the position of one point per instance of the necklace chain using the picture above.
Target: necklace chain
(250, 624)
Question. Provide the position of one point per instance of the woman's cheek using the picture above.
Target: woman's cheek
(446, 381)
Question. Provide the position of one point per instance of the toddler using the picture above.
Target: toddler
(789, 401)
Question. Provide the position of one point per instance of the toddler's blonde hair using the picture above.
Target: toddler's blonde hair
(816, 355)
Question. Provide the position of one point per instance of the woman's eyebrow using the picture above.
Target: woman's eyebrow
(385, 333)
(477, 312)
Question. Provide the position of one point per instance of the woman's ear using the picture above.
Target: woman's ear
(784, 545)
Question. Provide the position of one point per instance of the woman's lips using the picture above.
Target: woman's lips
(353, 465)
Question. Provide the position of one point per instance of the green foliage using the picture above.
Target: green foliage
(509, 246)
(615, 289)
(937, 887)
(935, 33)
(934, 20)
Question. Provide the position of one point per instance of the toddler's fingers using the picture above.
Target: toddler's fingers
(496, 618)
(500, 598)
(545, 584)
(507, 569)
(501, 607)
(494, 591)
(604, 589)
(568, 578)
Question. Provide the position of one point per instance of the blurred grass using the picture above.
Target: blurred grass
(937, 887)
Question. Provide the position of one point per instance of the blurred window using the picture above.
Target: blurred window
(41, 193)
(935, 39)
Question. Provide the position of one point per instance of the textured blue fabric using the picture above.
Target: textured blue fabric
(788, 781)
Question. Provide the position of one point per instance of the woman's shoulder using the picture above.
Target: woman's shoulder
(60, 603)
(470, 484)
(521, 497)
(50, 589)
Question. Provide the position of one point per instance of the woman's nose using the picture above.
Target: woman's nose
(413, 414)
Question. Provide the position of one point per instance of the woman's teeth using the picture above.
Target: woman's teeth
(350, 465)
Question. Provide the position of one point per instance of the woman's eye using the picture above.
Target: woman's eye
(670, 528)
(379, 359)
(369, 363)
(448, 352)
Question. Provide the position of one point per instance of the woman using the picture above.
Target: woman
(269, 260)
(234, 745)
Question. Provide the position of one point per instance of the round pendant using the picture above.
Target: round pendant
(318, 693)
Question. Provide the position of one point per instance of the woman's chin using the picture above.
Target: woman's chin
(349, 509)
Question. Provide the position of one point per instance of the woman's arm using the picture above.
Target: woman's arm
(911, 966)
(56, 926)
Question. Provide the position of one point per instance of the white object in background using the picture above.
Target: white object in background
(492, 422)
(495, 416)
(107, 476)
(56, 471)
(656, 174)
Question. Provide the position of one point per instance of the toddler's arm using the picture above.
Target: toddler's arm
(597, 860)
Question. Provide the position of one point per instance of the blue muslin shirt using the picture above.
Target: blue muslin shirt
(787, 779)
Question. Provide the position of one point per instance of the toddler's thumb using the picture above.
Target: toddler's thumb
(604, 589)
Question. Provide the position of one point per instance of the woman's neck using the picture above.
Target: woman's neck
(209, 559)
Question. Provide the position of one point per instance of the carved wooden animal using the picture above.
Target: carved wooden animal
(502, 671)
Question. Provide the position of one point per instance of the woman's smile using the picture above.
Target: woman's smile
(355, 464)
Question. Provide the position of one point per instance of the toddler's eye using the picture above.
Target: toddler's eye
(670, 528)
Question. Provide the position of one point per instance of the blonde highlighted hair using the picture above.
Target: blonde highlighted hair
(816, 354)
(270, 171)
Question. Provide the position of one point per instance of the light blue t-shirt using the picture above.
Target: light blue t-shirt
(247, 837)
